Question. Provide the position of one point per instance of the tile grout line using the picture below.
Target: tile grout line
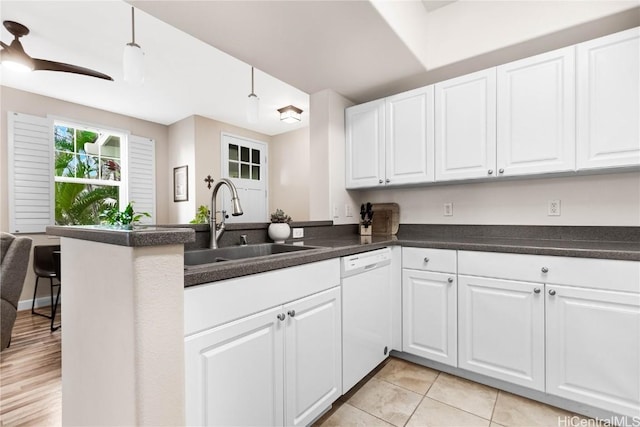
(421, 400)
(493, 411)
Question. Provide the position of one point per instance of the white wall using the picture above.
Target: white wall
(327, 194)
(182, 152)
(289, 173)
(604, 200)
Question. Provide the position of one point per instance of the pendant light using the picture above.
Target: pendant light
(253, 104)
(290, 114)
(133, 58)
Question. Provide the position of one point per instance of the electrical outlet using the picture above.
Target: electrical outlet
(448, 209)
(298, 233)
(553, 208)
(347, 211)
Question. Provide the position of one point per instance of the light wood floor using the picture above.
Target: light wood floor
(30, 370)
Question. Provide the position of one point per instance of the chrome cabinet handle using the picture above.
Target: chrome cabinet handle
(379, 181)
(281, 317)
(450, 280)
(387, 180)
(552, 292)
(292, 313)
(426, 259)
(536, 291)
(545, 270)
(501, 170)
(490, 171)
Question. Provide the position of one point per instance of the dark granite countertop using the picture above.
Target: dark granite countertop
(139, 236)
(342, 246)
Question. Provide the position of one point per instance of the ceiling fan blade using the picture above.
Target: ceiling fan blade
(43, 64)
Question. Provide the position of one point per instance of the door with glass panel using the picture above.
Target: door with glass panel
(244, 162)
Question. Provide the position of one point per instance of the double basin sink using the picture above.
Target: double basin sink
(211, 256)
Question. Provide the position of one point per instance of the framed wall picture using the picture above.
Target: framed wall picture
(181, 184)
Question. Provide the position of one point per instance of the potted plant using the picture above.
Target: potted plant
(279, 229)
(122, 219)
(202, 215)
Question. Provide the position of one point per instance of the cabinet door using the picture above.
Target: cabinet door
(234, 367)
(501, 329)
(593, 347)
(365, 145)
(409, 137)
(429, 309)
(313, 356)
(609, 101)
(465, 142)
(536, 114)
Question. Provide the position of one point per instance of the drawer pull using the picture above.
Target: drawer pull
(450, 280)
(292, 313)
(426, 259)
(281, 317)
(552, 292)
(490, 171)
(536, 291)
(545, 270)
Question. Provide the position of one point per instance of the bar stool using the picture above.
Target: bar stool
(43, 267)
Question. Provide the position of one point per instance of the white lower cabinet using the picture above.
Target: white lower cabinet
(501, 329)
(430, 315)
(281, 366)
(593, 347)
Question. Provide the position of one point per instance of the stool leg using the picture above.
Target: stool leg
(54, 309)
(35, 291)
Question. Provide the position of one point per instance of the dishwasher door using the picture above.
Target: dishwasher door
(366, 314)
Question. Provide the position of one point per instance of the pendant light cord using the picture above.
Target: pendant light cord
(133, 27)
(252, 92)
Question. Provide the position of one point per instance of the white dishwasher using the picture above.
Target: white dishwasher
(366, 313)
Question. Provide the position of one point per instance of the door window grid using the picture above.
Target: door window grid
(244, 162)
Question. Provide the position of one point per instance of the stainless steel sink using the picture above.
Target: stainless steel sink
(209, 256)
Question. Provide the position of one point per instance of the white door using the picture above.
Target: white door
(233, 373)
(409, 137)
(429, 310)
(593, 347)
(366, 320)
(313, 356)
(244, 162)
(536, 114)
(465, 126)
(364, 155)
(609, 101)
(501, 329)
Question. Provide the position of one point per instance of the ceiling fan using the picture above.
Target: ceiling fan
(15, 56)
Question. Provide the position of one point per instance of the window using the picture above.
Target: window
(60, 172)
(88, 173)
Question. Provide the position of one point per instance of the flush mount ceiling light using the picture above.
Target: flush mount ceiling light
(253, 104)
(290, 114)
(133, 58)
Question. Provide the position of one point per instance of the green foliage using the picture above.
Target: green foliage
(80, 204)
(113, 216)
(280, 217)
(202, 215)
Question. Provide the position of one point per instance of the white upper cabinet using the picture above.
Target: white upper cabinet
(365, 145)
(608, 71)
(465, 141)
(390, 141)
(409, 137)
(536, 114)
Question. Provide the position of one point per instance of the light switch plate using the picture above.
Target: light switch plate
(298, 233)
(448, 209)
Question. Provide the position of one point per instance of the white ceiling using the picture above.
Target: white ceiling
(362, 49)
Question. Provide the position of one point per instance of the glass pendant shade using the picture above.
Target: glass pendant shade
(253, 108)
(133, 64)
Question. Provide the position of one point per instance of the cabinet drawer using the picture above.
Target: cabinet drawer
(605, 274)
(442, 260)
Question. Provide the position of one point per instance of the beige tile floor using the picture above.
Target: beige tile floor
(400, 393)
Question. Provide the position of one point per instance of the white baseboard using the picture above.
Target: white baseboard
(40, 302)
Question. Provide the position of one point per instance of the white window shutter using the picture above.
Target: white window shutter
(30, 173)
(141, 166)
